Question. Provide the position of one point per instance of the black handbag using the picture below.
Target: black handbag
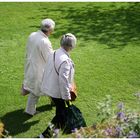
(74, 119)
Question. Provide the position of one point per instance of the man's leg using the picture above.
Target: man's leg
(31, 104)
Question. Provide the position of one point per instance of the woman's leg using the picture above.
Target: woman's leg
(59, 119)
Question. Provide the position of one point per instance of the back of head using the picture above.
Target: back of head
(68, 41)
(47, 24)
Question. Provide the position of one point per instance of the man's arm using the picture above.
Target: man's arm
(46, 49)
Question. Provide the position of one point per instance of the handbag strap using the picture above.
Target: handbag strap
(54, 64)
(68, 103)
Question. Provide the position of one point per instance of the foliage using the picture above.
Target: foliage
(123, 123)
(53, 132)
(3, 132)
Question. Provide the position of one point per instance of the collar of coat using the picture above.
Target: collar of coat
(42, 33)
(65, 51)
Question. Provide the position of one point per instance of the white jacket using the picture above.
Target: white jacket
(58, 85)
(38, 49)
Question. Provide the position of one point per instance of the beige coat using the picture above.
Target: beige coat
(58, 85)
(38, 50)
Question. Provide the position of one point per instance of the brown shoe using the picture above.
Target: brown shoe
(27, 114)
(37, 112)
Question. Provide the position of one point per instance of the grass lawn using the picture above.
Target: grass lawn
(107, 57)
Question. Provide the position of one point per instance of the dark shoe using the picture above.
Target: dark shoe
(27, 114)
(37, 112)
(30, 115)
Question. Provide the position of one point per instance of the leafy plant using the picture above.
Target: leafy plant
(3, 132)
(115, 123)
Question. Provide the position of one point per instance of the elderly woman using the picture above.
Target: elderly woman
(38, 50)
(58, 79)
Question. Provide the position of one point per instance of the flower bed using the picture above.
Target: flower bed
(115, 123)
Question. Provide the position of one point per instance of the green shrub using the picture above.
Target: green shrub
(115, 123)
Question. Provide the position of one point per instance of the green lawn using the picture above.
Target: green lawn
(107, 57)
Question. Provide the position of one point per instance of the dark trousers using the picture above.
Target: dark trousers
(59, 118)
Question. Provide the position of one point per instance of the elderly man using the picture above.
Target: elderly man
(38, 50)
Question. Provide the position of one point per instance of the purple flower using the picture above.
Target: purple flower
(108, 131)
(118, 128)
(55, 133)
(121, 105)
(132, 134)
(118, 131)
(120, 115)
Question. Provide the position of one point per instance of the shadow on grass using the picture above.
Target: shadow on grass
(16, 122)
(114, 26)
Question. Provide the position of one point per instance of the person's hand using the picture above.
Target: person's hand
(73, 92)
(24, 91)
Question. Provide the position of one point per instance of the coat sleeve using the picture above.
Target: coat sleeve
(45, 49)
(64, 74)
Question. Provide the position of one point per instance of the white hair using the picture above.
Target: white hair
(68, 40)
(47, 24)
